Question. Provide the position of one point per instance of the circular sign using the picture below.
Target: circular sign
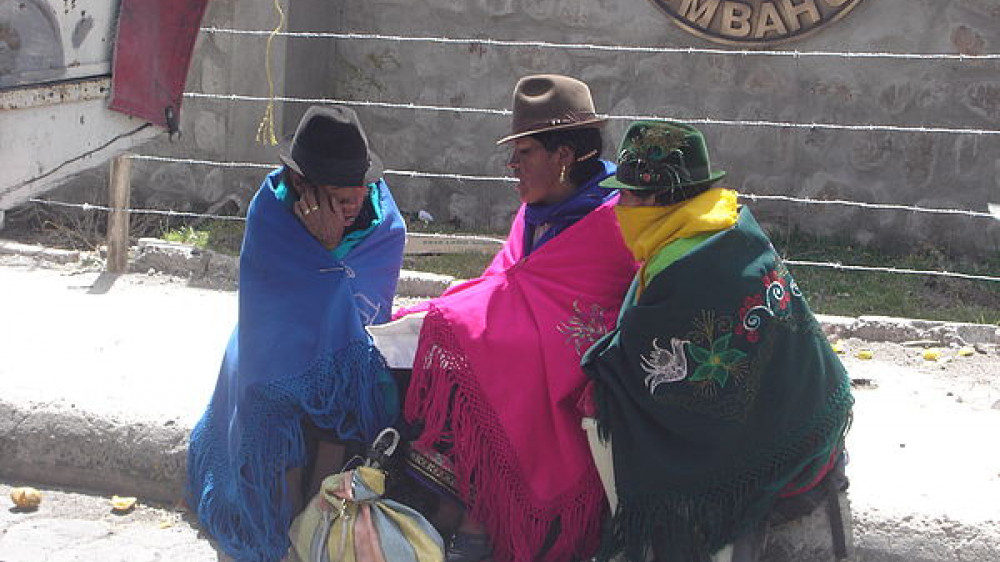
(754, 22)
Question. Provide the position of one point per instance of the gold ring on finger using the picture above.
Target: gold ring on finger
(314, 208)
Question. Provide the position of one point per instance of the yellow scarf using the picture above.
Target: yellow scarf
(647, 230)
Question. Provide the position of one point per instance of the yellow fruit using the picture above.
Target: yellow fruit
(932, 354)
(25, 497)
(119, 503)
(837, 346)
(865, 354)
(966, 351)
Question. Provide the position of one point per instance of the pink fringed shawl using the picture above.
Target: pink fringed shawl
(508, 344)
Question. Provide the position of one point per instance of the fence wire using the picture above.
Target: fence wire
(693, 119)
(460, 238)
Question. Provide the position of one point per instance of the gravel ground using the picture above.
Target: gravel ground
(925, 465)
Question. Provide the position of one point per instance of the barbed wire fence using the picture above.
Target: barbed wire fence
(693, 119)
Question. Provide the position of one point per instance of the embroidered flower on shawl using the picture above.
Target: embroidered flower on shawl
(781, 272)
(779, 288)
(775, 285)
(716, 363)
(584, 328)
(749, 320)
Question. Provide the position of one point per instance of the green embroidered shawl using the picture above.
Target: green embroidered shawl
(718, 388)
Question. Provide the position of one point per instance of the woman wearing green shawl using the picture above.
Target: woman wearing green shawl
(717, 389)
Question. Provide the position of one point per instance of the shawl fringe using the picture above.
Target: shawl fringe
(244, 511)
(486, 463)
(700, 526)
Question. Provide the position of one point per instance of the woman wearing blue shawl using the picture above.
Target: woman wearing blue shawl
(320, 260)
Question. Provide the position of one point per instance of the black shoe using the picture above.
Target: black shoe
(468, 547)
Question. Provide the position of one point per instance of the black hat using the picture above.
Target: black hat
(329, 147)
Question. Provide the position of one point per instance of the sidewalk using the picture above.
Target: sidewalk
(101, 379)
(103, 376)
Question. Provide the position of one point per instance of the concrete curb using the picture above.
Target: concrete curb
(39, 252)
(209, 269)
(59, 444)
(206, 268)
(902, 330)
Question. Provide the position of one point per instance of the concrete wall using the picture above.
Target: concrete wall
(925, 169)
(214, 129)
(934, 170)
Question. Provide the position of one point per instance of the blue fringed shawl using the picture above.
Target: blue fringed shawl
(299, 351)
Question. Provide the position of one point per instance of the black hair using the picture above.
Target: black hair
(581, 142)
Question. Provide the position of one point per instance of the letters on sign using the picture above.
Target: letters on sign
(754, 22)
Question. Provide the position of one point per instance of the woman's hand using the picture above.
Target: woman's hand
(321, 215)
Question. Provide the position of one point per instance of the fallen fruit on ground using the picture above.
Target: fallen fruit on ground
(26, 497)
(120, 503)
(932, 354)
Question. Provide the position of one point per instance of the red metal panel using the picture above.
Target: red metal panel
(152, 52)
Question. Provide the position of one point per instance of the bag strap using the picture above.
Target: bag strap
(382, 448)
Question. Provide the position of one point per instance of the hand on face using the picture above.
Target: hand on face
(322, 215)
(327, 210)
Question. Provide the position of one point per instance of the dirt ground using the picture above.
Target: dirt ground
(973, 379)
(924, 468)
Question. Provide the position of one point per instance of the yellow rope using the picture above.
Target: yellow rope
(265, 130)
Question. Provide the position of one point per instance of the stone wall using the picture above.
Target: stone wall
(923, 169)
(942, 170)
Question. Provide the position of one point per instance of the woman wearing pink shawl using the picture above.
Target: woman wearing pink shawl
(496, 378)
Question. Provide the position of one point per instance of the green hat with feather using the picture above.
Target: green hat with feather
(663, 156)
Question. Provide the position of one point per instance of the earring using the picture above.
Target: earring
(562, 175)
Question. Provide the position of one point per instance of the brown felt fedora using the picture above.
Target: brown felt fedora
(329, 147)
(551, 102)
